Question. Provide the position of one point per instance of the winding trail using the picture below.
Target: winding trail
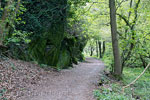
(77, 83)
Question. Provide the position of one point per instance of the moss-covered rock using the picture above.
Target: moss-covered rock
(64, 59)
(49, 42)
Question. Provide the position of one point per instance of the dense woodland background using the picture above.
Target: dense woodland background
(59, 33)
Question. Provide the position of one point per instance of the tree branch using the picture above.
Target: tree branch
(136, 14)
(125, 20)
(133, 82)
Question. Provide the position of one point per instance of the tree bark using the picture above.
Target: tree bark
(143, 61)
(100, 50)
(97, 48)
(0, 3)
(91, 51)
(115, 45)
(103, 48)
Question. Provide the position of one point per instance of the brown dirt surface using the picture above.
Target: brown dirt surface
(16, 77)
(27, 81)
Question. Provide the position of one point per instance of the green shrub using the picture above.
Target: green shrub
(106, 94)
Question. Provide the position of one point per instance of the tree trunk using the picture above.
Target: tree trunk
(91, 51)
(103, 48)
(116, 53)
(97, 48)
(100, 50)
(143, 61)
(0, 3)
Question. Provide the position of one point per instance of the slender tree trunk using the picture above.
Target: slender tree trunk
(103, 48)
(100, 50)
(116, 53)
(97, 48)
(0, 3)
(143, 61)
(91, 51)
(131, 3)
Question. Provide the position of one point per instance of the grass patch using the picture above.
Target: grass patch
(111, 89)
(142, 86)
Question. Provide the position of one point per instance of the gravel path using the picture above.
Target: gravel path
(77, 83)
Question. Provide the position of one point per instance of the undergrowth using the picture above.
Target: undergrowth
(111, 89)
(2, 92)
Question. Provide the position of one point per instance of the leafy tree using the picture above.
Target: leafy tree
(116, 52)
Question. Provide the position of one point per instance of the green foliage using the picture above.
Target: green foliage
(141, 87)
(9, 12)
(132, 21)
(133, 33)
(64, 59)
(53, 40)
(108, 57)
(112, 90)
(18, 37)
(106, 94)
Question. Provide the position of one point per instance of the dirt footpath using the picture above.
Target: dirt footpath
(77, 83)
